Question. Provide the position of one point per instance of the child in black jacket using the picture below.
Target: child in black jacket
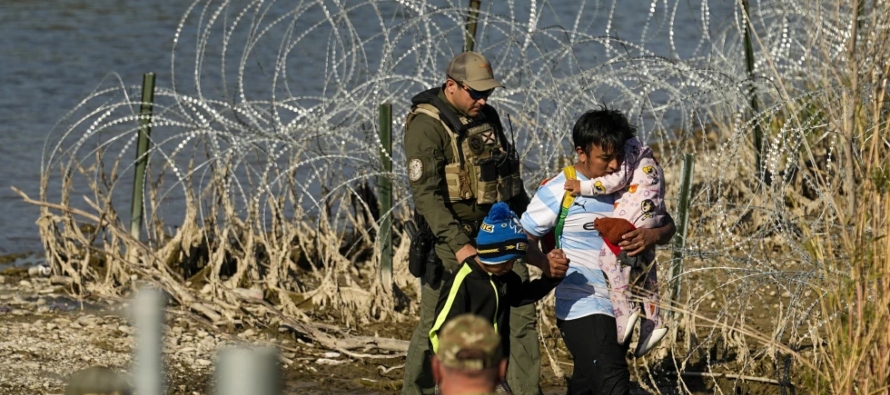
(485, 284)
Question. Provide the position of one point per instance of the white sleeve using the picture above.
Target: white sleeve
(543, 210)
(587, 188)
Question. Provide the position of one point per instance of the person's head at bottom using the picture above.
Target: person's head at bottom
(470, 359)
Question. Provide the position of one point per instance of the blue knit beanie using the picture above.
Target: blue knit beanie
(500, 236)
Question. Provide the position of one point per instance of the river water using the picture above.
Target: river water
(53, 53)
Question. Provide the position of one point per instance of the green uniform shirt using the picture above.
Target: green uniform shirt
(427, 140)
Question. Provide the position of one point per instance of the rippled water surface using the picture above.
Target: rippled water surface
(54, 53)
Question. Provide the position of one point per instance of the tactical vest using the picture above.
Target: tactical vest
(483, 168)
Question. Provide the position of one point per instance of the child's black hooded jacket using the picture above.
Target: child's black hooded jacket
(473, 290)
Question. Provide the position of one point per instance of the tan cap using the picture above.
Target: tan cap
(474, 70)
(469, 342)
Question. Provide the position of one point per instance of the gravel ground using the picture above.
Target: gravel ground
(45, 337)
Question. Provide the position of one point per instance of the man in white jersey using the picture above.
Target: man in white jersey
(583, 309)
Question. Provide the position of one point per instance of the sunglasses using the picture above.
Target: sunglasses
(477, 95)
(474, 94)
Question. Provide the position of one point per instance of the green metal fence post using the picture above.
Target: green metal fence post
(148, 97)
(682, 226)
(752, 93)
(470, 39)
(385, 183)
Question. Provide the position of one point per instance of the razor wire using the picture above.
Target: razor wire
(272, 107)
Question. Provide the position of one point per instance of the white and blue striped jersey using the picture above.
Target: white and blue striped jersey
(583, 291)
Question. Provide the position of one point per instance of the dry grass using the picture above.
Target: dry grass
(786, 269)
(794, 261)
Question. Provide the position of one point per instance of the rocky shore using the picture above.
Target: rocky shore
(46, 336)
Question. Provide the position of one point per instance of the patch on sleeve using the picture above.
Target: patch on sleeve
(415, 169)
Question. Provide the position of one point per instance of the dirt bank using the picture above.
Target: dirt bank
(46, 336)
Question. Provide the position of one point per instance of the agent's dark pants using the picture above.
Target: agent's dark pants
(523, 368)
(600, 364)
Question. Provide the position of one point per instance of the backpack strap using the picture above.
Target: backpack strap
(567, 200)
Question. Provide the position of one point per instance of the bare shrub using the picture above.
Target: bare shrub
(261, 187)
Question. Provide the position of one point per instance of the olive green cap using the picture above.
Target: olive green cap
(469, 342)
(474, 70)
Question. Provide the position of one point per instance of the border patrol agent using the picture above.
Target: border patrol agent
(459, 164)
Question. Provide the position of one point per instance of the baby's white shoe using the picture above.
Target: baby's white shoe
(646, 344)
(628, 328)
